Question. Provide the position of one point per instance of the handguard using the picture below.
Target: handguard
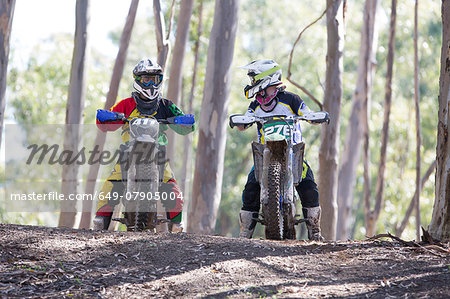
(241, 120)
(106, 115)
(187, 119)
(317, 117)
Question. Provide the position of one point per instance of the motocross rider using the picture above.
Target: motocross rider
(272, 99)
(148, 77)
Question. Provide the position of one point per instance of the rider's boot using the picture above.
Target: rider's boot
(247, 223)
(103, 217)
(175, 227)
(312, 217)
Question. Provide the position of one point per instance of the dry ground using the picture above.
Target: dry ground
(41, 262)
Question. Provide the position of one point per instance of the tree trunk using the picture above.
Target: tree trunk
(440, 221)
(399, 230)
(110, 100)
(328, 153)
(352, 149)
(6, 18)
(370, 215)
(176, 67)
(418, 130)
(161, 41)
(185, 180)
(379, 189)
(74, 111)
(206, 193)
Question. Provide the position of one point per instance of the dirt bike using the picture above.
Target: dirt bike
(278, 167)
(142, 163)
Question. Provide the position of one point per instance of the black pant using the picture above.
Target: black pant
(307, 190)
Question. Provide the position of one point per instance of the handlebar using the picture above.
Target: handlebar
(105, 116)
(246, 120)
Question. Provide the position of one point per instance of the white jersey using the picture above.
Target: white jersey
(289, 104)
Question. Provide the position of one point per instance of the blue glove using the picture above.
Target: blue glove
(105, 115)
(187, 119)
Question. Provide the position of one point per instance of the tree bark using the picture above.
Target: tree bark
(418, 130)
(353, 140)
(176, 67)
(185, 180)
(6, 18)
(328, 153)
(379, 189)
(206, 193)
(162, 41)
(74, 111)
(399, 230)
(110, 100)
(440, 222)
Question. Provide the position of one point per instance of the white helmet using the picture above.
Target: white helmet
(263, 73)
(148, 78)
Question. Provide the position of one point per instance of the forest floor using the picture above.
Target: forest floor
(42, 262)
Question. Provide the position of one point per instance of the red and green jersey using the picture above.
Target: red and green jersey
(166, 109)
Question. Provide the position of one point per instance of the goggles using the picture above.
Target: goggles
(149, 80)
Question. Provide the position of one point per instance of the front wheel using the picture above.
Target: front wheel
(140, 211)
(273, 217)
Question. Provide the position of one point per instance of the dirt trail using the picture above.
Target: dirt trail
(38, 262)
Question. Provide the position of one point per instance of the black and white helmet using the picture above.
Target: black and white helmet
(263, 73)
(148, 77)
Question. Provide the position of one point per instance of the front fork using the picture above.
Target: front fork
(293, 166)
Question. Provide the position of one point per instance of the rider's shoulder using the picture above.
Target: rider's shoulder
(253, 105)
(165, 102)
(123, 104)
(284, 94)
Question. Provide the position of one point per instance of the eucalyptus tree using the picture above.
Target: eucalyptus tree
(207, 185)
(440, 222)
(110, 100)
(6, 17)
(74, 112)
(359, 113)
(328, 153)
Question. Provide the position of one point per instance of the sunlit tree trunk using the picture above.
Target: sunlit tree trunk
(163, 45)
(379, 189)
(206, 193)
(110, 100)
(162, 41)
(74, 111)
(176, 66)
(353, 140)
(371, 215)
(399, 229)
(328, 153)
(6, 17)
(440, 221)
(418, 130)
(185, 180)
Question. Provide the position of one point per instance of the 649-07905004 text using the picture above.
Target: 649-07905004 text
(57, 196)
